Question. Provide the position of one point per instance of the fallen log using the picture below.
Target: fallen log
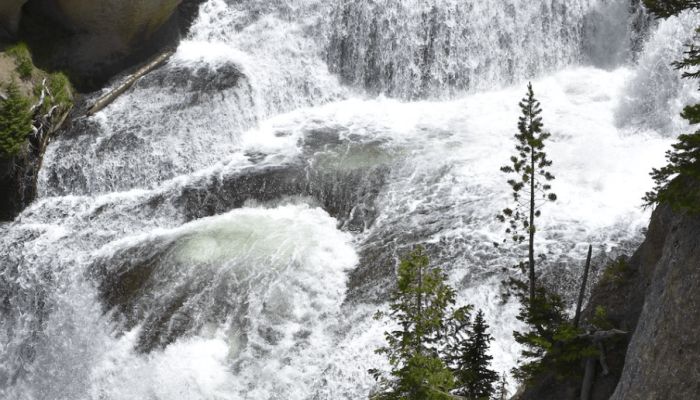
(105, 100)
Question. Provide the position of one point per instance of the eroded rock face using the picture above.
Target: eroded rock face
(110, 35)
(10, 11)
(664, 352)
(125, 21)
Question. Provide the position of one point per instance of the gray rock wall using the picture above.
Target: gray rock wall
(663, 357)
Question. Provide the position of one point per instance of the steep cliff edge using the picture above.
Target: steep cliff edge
(655, 297)
(664, 351)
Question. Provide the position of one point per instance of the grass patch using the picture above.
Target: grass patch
(23, 59)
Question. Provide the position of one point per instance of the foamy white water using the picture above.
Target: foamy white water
(227, 228)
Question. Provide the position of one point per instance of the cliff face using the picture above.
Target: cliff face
(96, 39)
(655, 297)
(103, 37)
(10, 11)
(664, 351)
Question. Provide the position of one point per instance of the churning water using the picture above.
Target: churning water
(227, 228)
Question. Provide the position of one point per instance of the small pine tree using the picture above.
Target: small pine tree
(550, 342)
(421, 304)
(474, 377)
(529, 165)
(678, 183)
(15, 122)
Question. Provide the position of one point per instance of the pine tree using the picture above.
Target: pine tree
(550, 339)
(421, 304)
(529, 165)
(668, 8)
(474, 377)
(678, 183)
(15, 122)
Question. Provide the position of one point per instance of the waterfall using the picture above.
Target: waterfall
(227, 228)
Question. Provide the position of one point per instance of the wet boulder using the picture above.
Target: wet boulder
(10, 12)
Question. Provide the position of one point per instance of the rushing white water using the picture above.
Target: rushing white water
(227, 228)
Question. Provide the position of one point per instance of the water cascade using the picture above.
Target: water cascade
(227, 228)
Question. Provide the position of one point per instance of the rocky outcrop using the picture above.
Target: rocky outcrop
(10, 12)
(664, 351)
(107, 36)
(96, 39)
(655, 296)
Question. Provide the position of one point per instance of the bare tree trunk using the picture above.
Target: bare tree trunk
(531, 249)
(583, 287)
(587, 387)
(596, 338)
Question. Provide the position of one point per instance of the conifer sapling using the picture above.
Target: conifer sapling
(529, 188)
(422, 306)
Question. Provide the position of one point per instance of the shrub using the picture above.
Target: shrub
(15, 122)
(60, 86)
(23, 59)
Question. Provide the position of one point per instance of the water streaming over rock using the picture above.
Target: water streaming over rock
(227, 228)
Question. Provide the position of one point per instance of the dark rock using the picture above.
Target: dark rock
(96, 49)
(18, 179)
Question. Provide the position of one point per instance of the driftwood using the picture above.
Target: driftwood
(41, 99)
(577, 318)
(105, 100)
(596, 337)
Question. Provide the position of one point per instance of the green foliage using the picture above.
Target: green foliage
(529, 165)
(529, 188)
(23, 59)
(422, 306)
(15, 122)
(475, 380)
(678, 183)
(614, 272)
(550, 341)
(60, 88)
(601, 319)
(667, 8)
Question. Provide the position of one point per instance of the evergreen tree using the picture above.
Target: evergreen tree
(550, 341)
(668, 8)
(15, 121)
(678, 183)
(421, 304)
(529, 165)
(474, 377)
